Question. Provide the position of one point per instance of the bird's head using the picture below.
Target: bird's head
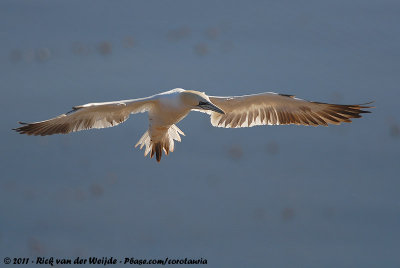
(199, 100)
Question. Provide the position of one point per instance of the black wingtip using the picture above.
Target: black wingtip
(370, 102)
(19, 130)
(367, 105)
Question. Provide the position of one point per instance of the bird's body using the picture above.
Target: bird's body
(169, 109)
(166, 109)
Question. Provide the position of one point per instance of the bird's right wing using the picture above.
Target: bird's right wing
(91, 115)
(276, 109)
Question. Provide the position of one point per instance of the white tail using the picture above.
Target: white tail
(159, 139)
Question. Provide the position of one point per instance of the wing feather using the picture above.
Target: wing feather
(88, 116)
(276, 109)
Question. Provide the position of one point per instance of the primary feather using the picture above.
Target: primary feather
(168, 108)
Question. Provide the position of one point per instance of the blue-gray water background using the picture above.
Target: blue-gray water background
(285, 196)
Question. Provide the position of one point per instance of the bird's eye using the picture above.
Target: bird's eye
(202, 103)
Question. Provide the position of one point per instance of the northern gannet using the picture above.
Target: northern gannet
(168, 108)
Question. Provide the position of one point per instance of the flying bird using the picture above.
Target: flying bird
(166, 109)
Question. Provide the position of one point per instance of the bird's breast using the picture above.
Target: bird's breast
(168, 112)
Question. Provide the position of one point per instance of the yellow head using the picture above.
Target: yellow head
(198, 100)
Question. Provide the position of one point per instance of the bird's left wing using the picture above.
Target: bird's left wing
(91, 115)
(276, 109)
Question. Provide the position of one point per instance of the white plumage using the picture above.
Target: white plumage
(168, 108)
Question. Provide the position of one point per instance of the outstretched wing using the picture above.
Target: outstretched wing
(91, 115)
(275, 109)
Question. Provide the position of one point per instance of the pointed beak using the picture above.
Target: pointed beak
(211, 107)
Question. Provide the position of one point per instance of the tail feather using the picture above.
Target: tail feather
(161, 142)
